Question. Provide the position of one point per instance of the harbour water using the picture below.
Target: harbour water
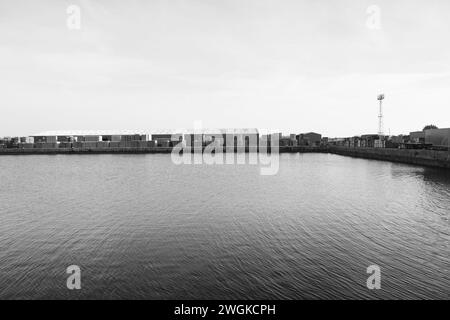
(142, 227)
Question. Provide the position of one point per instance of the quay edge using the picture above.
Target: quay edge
(423, 157)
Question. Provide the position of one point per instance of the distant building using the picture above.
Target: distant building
(51, 139)
(241, 137)
(417, 137)
(29, 140)
(293, 138)
(336, 142)
(285, 141)
(309, 139)
(368, 140)
(133, 137)
(116, 138)
(438, 137)
(92, 138)
(88, 136)
(354, 142)
(379, 143)
(395, 142)
(40, 139)
(65, 138)
(162, 138)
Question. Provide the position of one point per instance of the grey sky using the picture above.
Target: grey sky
(292, 65)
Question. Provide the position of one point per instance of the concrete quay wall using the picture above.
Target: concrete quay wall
(113, 150)
(431, 158)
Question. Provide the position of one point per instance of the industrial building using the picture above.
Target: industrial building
(225, 137)
(88, 136)
(371, 140)
(229, 138)
(166, 138)
(309, 139)
(438, 137)
(417, 137)
(132, 139)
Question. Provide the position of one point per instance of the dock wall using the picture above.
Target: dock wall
(131, 150)
(430, 158)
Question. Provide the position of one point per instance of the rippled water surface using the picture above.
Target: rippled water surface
(140, 226)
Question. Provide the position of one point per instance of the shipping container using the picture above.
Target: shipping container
(103, 144)
(162, 136)
(49, 145)
(125, 144)
(379, 143)
(161, 142)
(164, 144)
(51, 139)
(26, 145)
(131, 137)
(39, 139)
(89, 145)
(65, 145)
(65, 139)
(143, 144)
(92, 138)
(135, 144)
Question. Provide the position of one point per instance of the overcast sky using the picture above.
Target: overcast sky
(296, 66)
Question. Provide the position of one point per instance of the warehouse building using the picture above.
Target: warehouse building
(241, 137)
(309, 139)
(438, 137)
(417, 137)
(89, 136)
(166, 137)
(371, 141)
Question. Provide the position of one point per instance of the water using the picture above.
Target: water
(142, 227)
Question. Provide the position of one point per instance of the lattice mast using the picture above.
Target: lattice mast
(380, 116)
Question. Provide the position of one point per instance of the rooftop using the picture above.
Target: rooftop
(155, 131)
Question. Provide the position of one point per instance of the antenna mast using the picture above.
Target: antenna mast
(380, 115)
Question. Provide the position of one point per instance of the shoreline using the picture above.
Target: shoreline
(150, 150)
(422, 157)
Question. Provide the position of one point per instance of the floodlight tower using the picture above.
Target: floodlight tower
(380, 116)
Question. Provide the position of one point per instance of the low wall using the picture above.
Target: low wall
(112, 150)
(420, 157)
(83, 150)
